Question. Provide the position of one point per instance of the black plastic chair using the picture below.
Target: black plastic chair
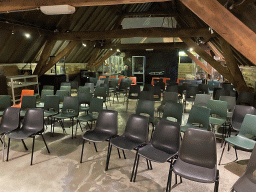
(106, 127)
(146, 95)
(190, 95)
(172, 88)
(28, 101)
(163, 147)
(167, 96)
(83, 89)
(161, 85)
(70, 110)
(174, 110)
(227, 86)
(148, 87)
(247, 182)
(134, 93)
(51, 87)
(10, 121)
(221, 92)
(197, 159)
(157, 93)
(135, 134)
(203, 88)
(101, 92)
(245, 98)
(33, 125)
(5, 101)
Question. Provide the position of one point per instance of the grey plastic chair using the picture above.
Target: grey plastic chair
(202, 99)
(66, 88)
(106, 127)
(62, 94)
(70, 110)
(190, 95)
(198, 118)
(28, 101)
(65, 84)
(5, 101)
(245, 98)
(197, 159)
(247, 182)
(163, 147)
(167, 96)
(135, 134)
(203, 88)
(10, 122)
(33, 125)
(172, 88)
(174, 110)
(245, 138)
(231, 104)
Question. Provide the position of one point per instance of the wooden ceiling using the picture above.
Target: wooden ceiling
(97, 22)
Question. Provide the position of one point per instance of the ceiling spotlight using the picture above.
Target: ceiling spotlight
(118, 50)
(84, 44)
(191, 49)
(111, 49)
(27, 35)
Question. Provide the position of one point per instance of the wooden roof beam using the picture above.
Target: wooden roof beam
(14, 5)
(230, 28)
(138, 32)
(150, 14)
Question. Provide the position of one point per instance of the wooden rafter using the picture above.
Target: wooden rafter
(93, 57)
(230, 28)
(198, 62)
(60, 55)
(139, 32)
(150, 13)
(108, 54)
(13, 5)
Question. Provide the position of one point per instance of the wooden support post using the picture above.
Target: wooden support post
(232, 66)
(198, 62)
(226, 25)
(54, 60)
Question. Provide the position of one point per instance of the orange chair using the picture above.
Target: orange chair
(121, 77)
(24, 92)
(178, 80)
(134, 80)
(152, 82)
(165, 79)
(102, 77)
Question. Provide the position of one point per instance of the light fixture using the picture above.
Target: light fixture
(84, 44)
(118, 50)
(191, 49)
(58, 9)
(111, 49)
(13, 30)
(149, 49)
(27, 35)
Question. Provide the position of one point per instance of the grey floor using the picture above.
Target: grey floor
(61, 170)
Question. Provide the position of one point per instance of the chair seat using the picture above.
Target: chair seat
(216, 121)
(50, 113)
(194, 172)
(88, 117)
(153, 154)
(96, 136)
(124, 143)
(188, 125)
(5, 130)
(21, 134)
(40, 105)
(242, 142)
(243, 184)
(64, 116)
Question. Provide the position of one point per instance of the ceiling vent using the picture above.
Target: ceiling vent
(58, 9)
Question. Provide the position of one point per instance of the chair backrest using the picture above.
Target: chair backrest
(199, 115)
(230, 100)
(84, 98)
(166, 136)
(66, 88)
(107, 122)
(99, 83)
(100, 92)
(71, 105)
(172, 88)
(192, 91)
(28, 101)
(245, 98)
(157, 93)
(83, 89)
(5, 101)
(146, 95)
(34, 120)
(65, 84)
(248, 126)
(51, 102)
(198, 147)
(170, 96)
(202, 99)
(91, 85)
(46, 92)
(26, 92)
(93, 80)
(137, 128)
(203, 88)
(161, 85)
(213, 84)
(146, 106)
(221, 92)
(218, 107)
(239, 113)
(134, 92)
(251, 166)
(51, 87)
(11, 118)
(74, 84)
(173, 109)
(62, 94)
(96, 105)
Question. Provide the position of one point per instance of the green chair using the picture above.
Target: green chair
(167, 96)
(62, 94)
(245, 138)
(66, 88)
(84, 101)
(101, 92)
(174, 110)
(40, 102)
(5, 101)
(198, 118)
(218, 117)
(70, 110)
(51, 106)
(231, 104)
(202, 99)
(96, 106)
(51, 87)
(28, 101)
(83, 89)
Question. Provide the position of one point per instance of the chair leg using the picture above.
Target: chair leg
(2, 139)
(45, 144)
(134, 165)
(32, 150)
(169, 180)
(76, 127)
(236, 154)
(72, 119)
(82, 151)
(222, 151)
(95, 147)
(150, 164)
(136, 168)
(216, 187)
(108, 156)
(9, 142)
(24, 144)
(124, 154)
(118, 153)
(147, 164)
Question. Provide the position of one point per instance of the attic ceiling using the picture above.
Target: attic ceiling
(16, 46)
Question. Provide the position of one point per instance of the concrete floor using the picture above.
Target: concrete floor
(61, 170)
